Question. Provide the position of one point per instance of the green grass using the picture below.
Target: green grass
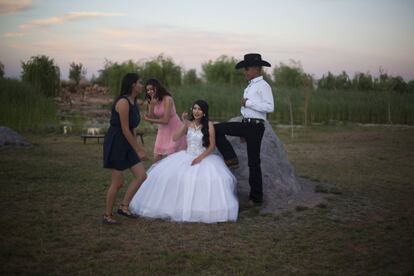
(53, 196)
(324, 106)
(22, 108)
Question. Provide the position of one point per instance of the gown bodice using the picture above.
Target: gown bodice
(195, 141)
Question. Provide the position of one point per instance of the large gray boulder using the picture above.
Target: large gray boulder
(9, 137)
(282, 190)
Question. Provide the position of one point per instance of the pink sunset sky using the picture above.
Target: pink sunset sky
(324, 35)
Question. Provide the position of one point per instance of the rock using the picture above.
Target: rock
(282, 190)
(8, 137)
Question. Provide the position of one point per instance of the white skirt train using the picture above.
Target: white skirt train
(175, 190)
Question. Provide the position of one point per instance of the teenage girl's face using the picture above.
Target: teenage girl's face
(137, 87)
(150, 90)
(197, 112)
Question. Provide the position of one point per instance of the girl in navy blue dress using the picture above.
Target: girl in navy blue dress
(121, 148)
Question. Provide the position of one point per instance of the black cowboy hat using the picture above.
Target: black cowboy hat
(252, 60)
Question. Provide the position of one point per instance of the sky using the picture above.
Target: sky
(323, 35)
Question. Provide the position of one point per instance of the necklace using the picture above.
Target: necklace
(197, 127)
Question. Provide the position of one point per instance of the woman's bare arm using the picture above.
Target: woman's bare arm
(164, 120)
(122, 107)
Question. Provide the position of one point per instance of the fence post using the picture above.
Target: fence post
(291, 116)
(389, 108)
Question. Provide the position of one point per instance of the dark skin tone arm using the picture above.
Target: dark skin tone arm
(122, 107)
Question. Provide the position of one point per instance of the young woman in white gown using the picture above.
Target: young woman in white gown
(191, 185)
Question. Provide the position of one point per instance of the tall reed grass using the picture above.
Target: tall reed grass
(223, 100)
(24, 109)
(321, 106)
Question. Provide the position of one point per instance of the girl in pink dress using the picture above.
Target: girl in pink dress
(161, 111)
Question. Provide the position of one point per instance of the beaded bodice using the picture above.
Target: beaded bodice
(195, 141)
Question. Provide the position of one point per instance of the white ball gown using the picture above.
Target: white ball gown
(175, 190)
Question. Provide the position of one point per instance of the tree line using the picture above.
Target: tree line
(44, 75)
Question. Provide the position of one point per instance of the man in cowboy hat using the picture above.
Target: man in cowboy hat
(256, 102)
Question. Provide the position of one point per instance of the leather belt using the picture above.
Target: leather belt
(252, 120)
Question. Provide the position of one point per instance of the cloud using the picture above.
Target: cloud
(187, 45)
(72, 16)
(170, 38)
(9, 35)
(13, 6)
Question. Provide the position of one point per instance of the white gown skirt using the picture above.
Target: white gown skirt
(175, 190)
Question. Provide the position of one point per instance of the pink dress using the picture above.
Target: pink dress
(164, 144)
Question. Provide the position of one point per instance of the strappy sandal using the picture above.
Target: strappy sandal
(126, 213)
(107, 219)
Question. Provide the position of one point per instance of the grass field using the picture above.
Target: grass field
(308, 107)
(23, 108)
(52, 197)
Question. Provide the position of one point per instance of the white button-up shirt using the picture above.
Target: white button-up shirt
(259, 99)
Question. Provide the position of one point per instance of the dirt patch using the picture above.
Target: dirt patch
(92, 102)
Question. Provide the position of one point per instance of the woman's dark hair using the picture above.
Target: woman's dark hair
(127, 82)
(204, 121)
(160, 90)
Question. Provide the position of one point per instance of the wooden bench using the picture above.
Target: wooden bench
(99, 136)
(91, 136)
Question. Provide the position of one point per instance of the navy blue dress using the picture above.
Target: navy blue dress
(118, 153)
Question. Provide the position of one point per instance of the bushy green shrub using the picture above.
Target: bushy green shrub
(164, 69)
(291, 76)
(113, 73)
(222, 70)
(42, 74)
(190, 77)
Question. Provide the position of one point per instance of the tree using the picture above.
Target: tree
(42, 73)
(113, 73)
(1, 70)
(76, 72)
(327, 82)
(410, 87)
(342, 81)
(386, 82)
(190, 77)
(362, 82)
(291, 75)
(164, 69)
(222, 70)
(398, 84)
(383, 82)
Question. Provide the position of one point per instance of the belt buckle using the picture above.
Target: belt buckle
(250, 120)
